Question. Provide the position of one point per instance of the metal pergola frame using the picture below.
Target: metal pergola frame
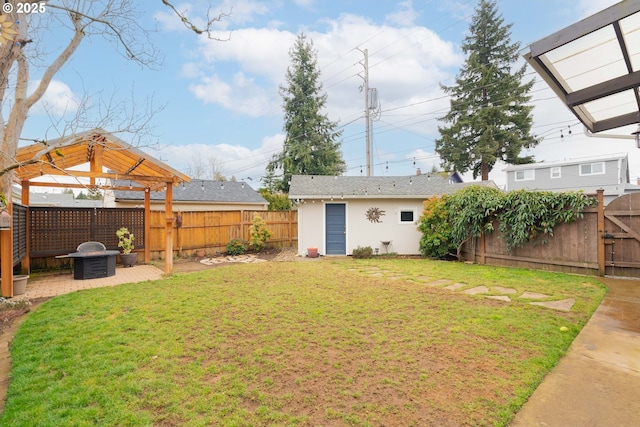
(593, 66)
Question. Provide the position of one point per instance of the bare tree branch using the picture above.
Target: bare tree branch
(193, 27)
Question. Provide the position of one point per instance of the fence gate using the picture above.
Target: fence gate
(622, 236)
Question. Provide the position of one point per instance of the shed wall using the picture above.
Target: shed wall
(404, 236)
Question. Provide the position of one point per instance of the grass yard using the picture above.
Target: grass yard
(294, 344)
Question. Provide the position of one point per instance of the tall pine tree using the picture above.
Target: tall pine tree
(489, 118)
(310, 145)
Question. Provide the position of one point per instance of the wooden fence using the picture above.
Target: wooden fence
(606, 241)
(56, 231)
(211, 231)
(571, 249)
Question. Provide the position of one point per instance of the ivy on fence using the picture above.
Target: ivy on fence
(449, 221)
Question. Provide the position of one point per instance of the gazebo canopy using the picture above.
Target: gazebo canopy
(102, 150)
(109, 158)
(594, 66)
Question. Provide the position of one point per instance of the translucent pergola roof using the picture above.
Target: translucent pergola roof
(594, 66)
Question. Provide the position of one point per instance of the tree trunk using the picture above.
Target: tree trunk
(484, 170)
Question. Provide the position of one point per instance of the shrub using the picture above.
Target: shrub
(236, 247)
(277, 201)
(259, 233)
(365, 252)
(435, 226)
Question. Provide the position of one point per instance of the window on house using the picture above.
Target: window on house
(526, 175)
(406, 215)
(555, 172)
(592, 168)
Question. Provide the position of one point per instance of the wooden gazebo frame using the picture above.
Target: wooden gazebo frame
(102, 151)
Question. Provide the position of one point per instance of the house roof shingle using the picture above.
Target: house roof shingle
(317, 186)
(200, 191)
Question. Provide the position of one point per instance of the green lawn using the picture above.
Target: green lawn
(304, 343)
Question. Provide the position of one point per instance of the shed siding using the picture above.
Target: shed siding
(405, 237)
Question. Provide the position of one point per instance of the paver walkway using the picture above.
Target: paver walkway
(498, 293)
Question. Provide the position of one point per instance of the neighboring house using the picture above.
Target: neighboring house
(610, 172)
(336, 214)
(197, 195)
(62, 200)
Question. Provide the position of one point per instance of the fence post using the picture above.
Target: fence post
(243, 222)
(290, 228)
(600, 236)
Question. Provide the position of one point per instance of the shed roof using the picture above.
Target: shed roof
(593, 66)
(418, 186)
(199, 191)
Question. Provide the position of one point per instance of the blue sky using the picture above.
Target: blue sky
(220, 100)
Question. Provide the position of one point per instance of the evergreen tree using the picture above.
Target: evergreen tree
(310, 145)
(489, 118)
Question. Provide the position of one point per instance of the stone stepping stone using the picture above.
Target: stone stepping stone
(534, 295)
(476, 290)
(455, 286)
(505, 290)
(398, 277)
(438, 282)
(375, 274)
(423, 278)
(500, 297)
(562, 305)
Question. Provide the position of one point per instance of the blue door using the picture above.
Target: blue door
(336, 229)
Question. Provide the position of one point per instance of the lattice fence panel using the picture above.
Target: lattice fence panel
(59, 231)
(108, 221)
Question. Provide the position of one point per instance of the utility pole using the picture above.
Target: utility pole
(365, 87)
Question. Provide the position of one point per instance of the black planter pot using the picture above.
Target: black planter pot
(129, 260)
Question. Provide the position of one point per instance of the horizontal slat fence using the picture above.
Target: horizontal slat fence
(211, 231)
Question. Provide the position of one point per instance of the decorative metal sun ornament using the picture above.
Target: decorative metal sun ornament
(7, 31)
(374, 214)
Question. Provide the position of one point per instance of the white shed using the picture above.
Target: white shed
(336, 214)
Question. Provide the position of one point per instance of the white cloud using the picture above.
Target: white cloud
(241, 95)
(406, 66)
(234, 160)
(304, 3)
(57, 101)
(404, 16)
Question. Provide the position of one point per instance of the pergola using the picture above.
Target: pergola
(593, 66)
(110, 159)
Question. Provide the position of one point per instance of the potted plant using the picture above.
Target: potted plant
(125, 242)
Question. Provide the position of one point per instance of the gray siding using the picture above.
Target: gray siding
(570, 178)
